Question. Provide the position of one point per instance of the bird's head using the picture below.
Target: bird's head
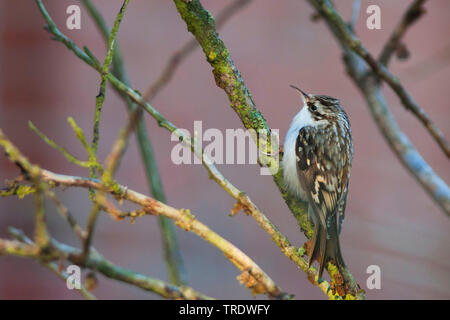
(320, 108)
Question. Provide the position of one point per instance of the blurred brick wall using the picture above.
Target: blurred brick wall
(390, 221)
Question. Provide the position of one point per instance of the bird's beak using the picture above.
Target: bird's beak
(305, 96)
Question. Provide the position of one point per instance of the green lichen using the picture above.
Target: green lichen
(201, 24)
(212, 55)
(188, 213)
(116, 188)
(301, 251)
(22, 191)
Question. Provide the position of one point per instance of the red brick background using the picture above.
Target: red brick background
(390, 221)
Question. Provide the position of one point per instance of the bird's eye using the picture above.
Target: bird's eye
(313, 107)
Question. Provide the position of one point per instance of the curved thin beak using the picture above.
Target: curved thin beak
(305, 96)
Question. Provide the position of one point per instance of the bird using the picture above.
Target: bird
(317, 160)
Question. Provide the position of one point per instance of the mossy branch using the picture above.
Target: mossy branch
(297, 207)
(105, 70)
(23, 247)
(107, 176)
(201, 24)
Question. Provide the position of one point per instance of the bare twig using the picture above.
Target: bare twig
(90, 225)
(426, 67)
(105, 70)
(342, 30)
(41, 233)
(227, 76)
(32, 172)
(63, 151)
(96, 135)
(97, 262)
(173, 258)
(402, 147)
(413, 13)
(181, 54)
(52, 266)
(184, 219)
(65, 213)
(118, 148)
(355, 13)
(295, 205)
(252, 275)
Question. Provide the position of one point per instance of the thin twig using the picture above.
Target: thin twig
(96, 135)
(82, 138)
(71, 158)
(227, 76)
(105, 69)
(52, 266)
(41, 233)
(97, 262)
(355, 13)
(403, 148)
(181, 54)
(119, 146)
(326, 9)
(183, 218)
(430, 181)
(174, 260)
(32, 172)
(412, 14)
(65, 213)
(252, 275)
(298, 208)
(428, 66)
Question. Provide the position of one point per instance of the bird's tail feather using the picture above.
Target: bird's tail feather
(325, 248)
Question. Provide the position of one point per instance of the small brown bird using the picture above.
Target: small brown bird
(317, 160)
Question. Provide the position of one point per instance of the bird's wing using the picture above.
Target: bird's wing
(322, 178)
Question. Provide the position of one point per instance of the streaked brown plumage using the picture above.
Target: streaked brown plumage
(323, 152)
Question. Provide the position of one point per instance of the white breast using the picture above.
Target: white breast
(302, 119)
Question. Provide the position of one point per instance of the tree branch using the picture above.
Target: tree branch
(227, 76)
(414, 12)
(297, 207)
(52, 266)
(400, 144)
(355, 13)
(252, 275)
(97, 262)
(201, 24)
(65, 213)
(100, 98)
(342, 30)
(174, 260)
(184, 219)
(182, 53)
